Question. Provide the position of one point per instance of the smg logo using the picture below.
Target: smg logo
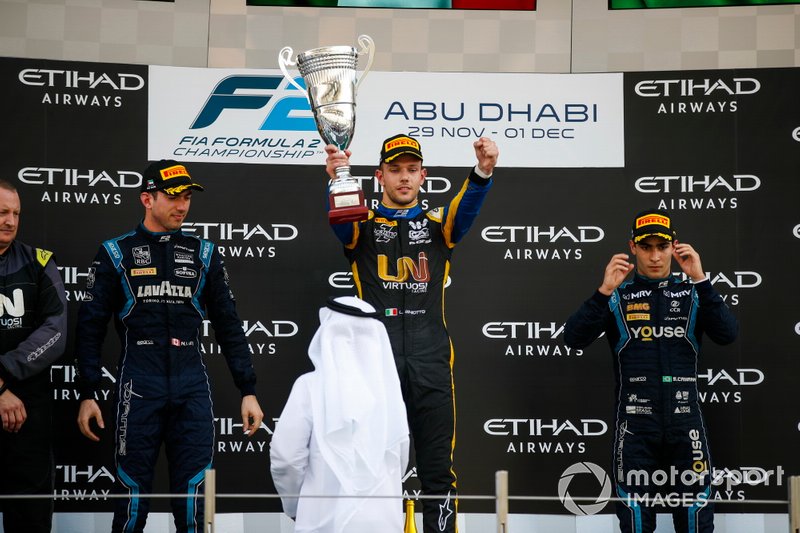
(284, 104)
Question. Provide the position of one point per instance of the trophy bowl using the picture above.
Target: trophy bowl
(331, 78)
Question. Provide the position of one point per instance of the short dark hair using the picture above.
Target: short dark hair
(7, 185)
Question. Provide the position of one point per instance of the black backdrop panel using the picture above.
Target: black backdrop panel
(717, 148)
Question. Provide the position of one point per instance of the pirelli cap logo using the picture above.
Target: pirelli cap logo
(398, 145)
(648, 220)
(402, 142)
(176, 171)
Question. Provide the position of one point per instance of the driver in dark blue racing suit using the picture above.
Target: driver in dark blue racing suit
(654, 324)
(160, 284)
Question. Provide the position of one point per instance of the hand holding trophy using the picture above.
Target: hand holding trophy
(330, 77)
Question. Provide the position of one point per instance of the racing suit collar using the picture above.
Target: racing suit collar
(160, 236)
(653, 281)
(405, 212)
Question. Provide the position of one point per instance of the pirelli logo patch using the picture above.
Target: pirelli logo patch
(647, 220)
(637, 316)
(151, 271)
(174, 171)
(401, 142)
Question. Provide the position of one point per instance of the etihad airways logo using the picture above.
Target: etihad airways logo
(690, 87)
(697, 96)
(75, 177)
(75, 79)
(690, 183)
(542, 234)
(533, 242)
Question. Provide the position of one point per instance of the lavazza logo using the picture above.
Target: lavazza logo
(81, 88)
(545, 436)
(80, 185)
(64, 377)
(262, 336)
(246, 240)
(704, 191)
(543, 243)
(697, 95)
(530, 339)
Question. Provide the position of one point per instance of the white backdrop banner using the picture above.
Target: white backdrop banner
(256, 116)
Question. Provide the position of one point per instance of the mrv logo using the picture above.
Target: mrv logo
(564, 238)
(537, 338)
(559, 436)
(690, 95)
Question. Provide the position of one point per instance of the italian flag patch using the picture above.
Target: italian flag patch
(391, 312)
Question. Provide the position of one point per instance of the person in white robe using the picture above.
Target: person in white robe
(343, 430)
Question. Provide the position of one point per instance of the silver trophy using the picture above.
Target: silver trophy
(330, 77)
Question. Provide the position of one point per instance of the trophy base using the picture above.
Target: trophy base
(347, 207)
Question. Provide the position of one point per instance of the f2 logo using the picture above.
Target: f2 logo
(255, 92)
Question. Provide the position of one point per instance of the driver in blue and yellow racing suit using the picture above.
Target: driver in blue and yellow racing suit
(400, 258)
(654, 324)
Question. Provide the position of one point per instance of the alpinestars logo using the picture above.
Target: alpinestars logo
(445, 512)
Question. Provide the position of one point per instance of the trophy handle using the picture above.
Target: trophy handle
(367, 46)
(285, 60)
